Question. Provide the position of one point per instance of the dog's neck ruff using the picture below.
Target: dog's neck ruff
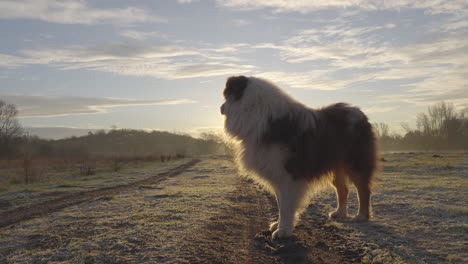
(266, 103)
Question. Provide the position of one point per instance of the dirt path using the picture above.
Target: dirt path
(73, 198)
(239, 234)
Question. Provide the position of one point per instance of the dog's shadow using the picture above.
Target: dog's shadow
(394, 246)
(289, 250)
(318, 239)
(378, 237)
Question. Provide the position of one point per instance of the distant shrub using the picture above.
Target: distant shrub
(87, 167)
(117, 163)
(27, 168)
(448, 166)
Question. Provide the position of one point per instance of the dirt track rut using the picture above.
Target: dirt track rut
(44, 208)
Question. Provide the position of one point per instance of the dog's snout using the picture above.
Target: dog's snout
(222, 109)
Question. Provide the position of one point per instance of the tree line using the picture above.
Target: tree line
(115, 142)
(442, 127)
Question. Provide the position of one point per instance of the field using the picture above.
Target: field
(201, 211)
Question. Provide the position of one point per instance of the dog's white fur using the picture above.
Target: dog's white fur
(246, 120)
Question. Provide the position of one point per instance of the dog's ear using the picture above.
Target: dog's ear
(235, 87)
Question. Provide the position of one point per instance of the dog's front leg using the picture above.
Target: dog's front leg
(274, 225)
(290, 195)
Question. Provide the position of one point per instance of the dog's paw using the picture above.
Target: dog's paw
(338, 214)
(273, 226)
(360, 218)
(281, 234)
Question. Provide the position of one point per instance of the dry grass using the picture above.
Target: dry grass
(30, 170)
(61, 180)
(420, 216)
(420, 212)
(146, 223)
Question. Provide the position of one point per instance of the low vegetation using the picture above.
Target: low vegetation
(37, 160)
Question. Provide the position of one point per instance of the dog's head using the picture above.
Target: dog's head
(233, 108)
(251, 103)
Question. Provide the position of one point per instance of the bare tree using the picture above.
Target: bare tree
(406, 127)
(10, 130)
(442, 126)
(381, 130)
(434, 123)
(9, 126)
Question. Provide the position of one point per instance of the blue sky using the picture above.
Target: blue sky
(163, 64)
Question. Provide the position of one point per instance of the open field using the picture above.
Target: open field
(57, 181)
(27, 170)
(202, 212)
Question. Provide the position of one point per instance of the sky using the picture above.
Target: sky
(162, 65)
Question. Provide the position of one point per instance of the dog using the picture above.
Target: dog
(292, 149)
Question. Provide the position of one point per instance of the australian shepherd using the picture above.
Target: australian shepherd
(292, 149)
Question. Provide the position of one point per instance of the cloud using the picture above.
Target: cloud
(14, 61)
(306, 6)
(191, 70)
(165, 61)
(142, 35)
(312, 80)
(73, 12)
(108, 51)
(448, 84)
(438, 62)
(379, 109)
(460, 23)
(240, 22)
(46, 106)
(342, 45)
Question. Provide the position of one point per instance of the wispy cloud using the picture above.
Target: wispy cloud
(165, 61)
(312, 80)
(448, 84)
(107, 51)
(305, 6)
(437, 65)
(456, 24)
(46, 106)
(11, 61)
(342, 45)
(73, 12)
(240, 22)
(142, 35)
(379, 109)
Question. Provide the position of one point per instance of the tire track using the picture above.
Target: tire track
(40, 209)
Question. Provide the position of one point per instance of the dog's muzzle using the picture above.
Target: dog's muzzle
(222, 109)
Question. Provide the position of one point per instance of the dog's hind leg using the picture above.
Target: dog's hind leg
(290, 195)
(340, 183)
(363, 186)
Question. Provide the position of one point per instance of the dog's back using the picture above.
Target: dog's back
(341, 136)
(349, 136)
